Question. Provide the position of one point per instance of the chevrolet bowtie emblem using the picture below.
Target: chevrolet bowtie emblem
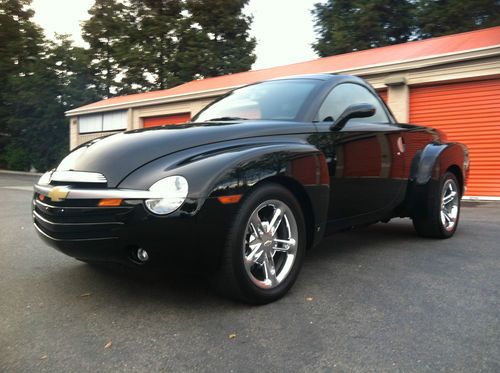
(58, 194)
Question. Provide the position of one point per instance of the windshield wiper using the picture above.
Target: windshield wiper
(225, 118)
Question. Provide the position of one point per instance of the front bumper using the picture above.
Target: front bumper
(67, 192)
(74, 224)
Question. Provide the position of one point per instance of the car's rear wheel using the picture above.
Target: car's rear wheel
(442, 211)
(265, 247)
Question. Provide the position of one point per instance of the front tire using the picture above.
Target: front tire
(441, 210)
(265, 247)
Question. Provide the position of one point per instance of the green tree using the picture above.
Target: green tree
(175, 41)
(21, 47)
(215, 39)
(153, 44)
(445, 17)
(40, 81)
(345, 26)
(37, 128)
(76, 81)
(108, 33)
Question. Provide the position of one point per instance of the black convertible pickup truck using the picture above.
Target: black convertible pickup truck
(253, 181)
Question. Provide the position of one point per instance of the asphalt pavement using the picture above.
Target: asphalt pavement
(377, 299)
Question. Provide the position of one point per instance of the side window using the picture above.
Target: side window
(348, 94)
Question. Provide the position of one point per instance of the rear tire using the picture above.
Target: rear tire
(441, 210)
(265, 247)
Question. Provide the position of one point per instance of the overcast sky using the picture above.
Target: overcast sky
(283, 28)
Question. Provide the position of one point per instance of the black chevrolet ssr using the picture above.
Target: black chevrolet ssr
(253, 181)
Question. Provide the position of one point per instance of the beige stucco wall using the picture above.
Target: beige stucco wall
(398, 99)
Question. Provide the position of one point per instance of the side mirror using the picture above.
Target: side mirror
(353, 111)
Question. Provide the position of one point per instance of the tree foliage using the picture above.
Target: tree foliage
(345, 26)
(32, 130)
(40, 80)
(107, 33)
(445, 17)
(154, 44)
(220, 31)
(157, 44)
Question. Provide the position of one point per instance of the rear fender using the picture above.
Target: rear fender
(427, 168)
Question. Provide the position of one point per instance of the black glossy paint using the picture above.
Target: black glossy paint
(359, 174)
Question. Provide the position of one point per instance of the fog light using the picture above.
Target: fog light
(142, 255)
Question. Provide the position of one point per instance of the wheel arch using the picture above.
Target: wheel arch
(302, 197)
(455, 170)
(435, 159)
(427, 168)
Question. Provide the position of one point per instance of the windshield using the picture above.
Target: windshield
(278, 100)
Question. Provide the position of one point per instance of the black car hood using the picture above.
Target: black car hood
(118, 155)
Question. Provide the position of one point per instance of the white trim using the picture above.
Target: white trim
(151, 101)
(437, 56)
(363, 70)
(480, 198)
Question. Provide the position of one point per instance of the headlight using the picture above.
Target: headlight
(45, 178)
(174, 189)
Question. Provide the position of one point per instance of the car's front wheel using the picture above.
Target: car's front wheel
(440, 216)
(265, 247)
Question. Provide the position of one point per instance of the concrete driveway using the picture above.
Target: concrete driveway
(375, 299)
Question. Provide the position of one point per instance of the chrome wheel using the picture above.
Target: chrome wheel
(270, 244)
(449, 205)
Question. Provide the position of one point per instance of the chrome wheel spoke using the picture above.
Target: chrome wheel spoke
(275, 221)
(270, 270)
(256, 225)
(449, 197)
(254, 240)
(255, 254)
(286, 244)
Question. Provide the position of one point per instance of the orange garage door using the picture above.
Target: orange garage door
(383, 94)
(470, 113)
(166, 119)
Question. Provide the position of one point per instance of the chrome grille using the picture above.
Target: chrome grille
(71, 221)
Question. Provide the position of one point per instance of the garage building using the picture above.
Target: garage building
(450, 82)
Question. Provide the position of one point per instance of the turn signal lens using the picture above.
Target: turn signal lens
(229, 199)
(110, 202)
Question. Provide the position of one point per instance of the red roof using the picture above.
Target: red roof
(377, 56)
